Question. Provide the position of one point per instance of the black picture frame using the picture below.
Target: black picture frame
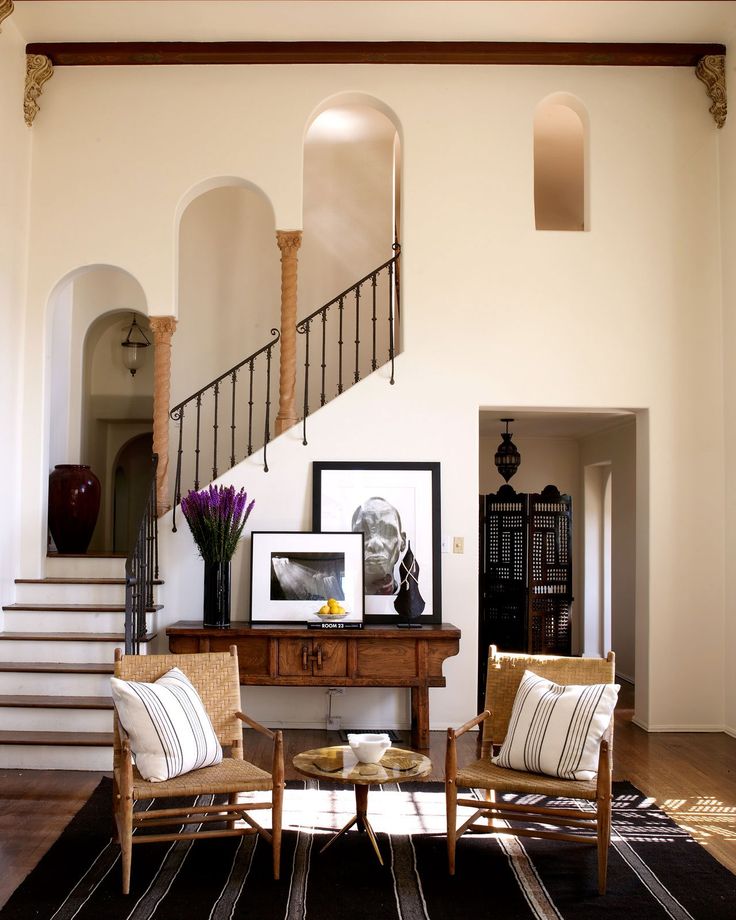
(339, 488)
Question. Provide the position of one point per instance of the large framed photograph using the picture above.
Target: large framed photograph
(295, 575)
(395, 506)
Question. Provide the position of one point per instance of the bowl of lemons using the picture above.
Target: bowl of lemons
(331, 610)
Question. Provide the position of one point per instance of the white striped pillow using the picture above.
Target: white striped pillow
(557, 730)
(169, 729)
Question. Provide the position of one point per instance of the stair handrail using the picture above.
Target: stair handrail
(177, 414)
(303, 328)
(141, 569)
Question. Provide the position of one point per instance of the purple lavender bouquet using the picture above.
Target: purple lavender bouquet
(216, 517)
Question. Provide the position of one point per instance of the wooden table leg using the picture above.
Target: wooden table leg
(361, 819)
(420, 718)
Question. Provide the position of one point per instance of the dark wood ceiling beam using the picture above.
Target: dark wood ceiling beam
(109, 54)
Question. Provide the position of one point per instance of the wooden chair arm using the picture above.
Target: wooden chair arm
(451, 752)
(257, 725)
(481, 717)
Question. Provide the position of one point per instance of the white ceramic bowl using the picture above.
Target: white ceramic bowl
(369, 747)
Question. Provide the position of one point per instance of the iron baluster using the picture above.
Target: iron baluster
(356, 376)
(215, 426)
(374, 283)
(232, 421)
(322, 396)
(391, 321)
(341, 310)
(196, 448)
(267, 432)
(141, 569)
(250, 408)
(304, 329)
(177, 415)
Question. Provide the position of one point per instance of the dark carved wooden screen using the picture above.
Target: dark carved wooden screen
(550, 573)
(525, 574)
(503, 576)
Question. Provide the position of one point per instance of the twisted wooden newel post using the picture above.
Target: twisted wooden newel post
(162, 328)
(289, 242)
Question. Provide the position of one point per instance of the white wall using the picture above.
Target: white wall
(494, 313)
(14, 179)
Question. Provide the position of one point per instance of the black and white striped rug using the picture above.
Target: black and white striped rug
(655, 869)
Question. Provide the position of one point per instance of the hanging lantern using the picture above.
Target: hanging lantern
(134, 347)
(507, 458)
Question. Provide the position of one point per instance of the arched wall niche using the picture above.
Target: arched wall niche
(561, 163)
(351, 188)
(229, 280)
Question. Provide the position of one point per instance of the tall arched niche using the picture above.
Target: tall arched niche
(229, 280)
(352, 194)
(561, 146)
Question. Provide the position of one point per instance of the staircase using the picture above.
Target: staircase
(56, 659)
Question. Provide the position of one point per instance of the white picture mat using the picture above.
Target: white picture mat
(410, 492)
(264, 544)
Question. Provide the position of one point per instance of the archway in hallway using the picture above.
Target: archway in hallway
(91, 392)
(131, 475)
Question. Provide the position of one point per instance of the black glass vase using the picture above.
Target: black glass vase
(216, 606)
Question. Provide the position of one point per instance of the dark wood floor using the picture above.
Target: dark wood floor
(692, 776)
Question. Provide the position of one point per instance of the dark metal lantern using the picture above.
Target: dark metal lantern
(507, 458)
(134, 346)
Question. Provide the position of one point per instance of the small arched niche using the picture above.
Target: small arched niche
(560, 153)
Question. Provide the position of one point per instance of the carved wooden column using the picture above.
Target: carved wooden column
(6, 8)
(289, 242)
(162, 328)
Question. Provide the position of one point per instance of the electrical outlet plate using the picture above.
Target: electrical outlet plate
(458, 545)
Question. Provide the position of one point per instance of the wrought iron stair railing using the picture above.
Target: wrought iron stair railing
(221, 396)
(345, 326)
(352, 316)
(141, 570)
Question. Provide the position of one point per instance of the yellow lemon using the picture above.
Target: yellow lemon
(324, 609)
(331, 601)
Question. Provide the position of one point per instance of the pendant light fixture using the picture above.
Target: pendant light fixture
(507, 458)
(134, 347)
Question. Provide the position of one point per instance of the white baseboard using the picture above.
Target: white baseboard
(730, 731)
(681, 728)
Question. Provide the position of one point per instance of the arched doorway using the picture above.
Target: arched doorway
(130, 482)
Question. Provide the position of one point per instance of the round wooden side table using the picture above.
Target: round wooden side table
(340, 765)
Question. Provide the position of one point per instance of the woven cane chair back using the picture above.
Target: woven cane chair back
(506, 669)
(215, 678)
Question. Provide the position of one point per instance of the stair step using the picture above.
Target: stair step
(56, 702)
(76, 608)
(72, 581)
(63, 678)
(87, 566)
(58, 667)
(68, 637)
(74, 739)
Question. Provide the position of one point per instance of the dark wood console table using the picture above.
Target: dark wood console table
(294, 656)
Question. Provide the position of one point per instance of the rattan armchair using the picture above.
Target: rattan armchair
(505, 671)
(215, 677)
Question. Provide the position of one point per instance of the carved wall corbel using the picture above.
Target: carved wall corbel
(711, 70)
(6, 8)
(38, 71)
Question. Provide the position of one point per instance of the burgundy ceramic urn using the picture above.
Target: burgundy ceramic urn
(74, 502)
